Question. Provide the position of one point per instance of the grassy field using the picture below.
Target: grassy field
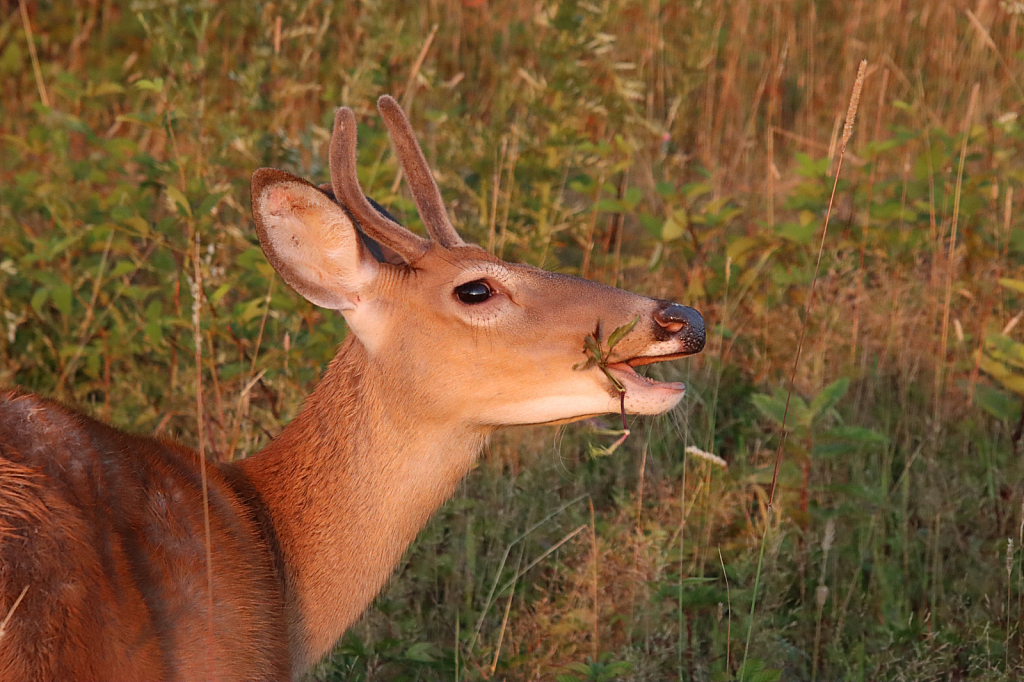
(686, 150)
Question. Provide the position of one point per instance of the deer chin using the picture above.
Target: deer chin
(643, 395)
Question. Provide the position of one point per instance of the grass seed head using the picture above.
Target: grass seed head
(851, 112)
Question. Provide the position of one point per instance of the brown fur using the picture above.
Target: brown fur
(106, 531)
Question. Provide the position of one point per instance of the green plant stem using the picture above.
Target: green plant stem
(753, 598)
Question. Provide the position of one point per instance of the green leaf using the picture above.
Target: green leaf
(1004, 349)
(665, 189)
(61, 296)
(155, 333)
(620, 333)
(139, 223)
(755, 670)
(997, 403)
(739, 246)
(829, 396)
(121, 268)
(843, 440)
(217, 296)
(421, 652)
(800, 234)
(799, 413)
(577, 667)
(769, 406)
(694, 190)
(593, 348)
(675, 226)
(209, 203)
(59, 246)
(155, 310)
(651, 223)
(1016, 285)
(1006, 376)
(855, 434)
(155, 85)
(107, 88)
(144, 119)
(632, 197)
(178, 198)
(39, 299)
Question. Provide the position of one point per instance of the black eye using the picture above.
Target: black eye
(476, 291)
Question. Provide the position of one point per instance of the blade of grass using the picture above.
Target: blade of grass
(504, 559)
(569, 536)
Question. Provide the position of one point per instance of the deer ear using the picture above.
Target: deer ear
(310, 240)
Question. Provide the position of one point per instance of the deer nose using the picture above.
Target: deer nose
(684, 322)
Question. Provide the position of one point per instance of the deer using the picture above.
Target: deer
(108, 568)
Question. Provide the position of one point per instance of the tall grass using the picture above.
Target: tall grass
(685, 150)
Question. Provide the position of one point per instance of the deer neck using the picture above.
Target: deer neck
(348, 484)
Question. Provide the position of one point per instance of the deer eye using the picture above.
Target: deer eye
(476, 291)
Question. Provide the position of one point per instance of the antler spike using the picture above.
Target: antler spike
(345, 182)
(417, 173)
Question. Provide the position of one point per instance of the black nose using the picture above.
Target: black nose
(684, 323)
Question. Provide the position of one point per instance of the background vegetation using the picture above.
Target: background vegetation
(682, 149)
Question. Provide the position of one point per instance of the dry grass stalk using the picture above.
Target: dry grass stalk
(197, 304)
(986, 39)
(241, 409)
(492, 221)
(501, 633)
(940, 367)
(855, 325)
(10, 612)
(851, 115)
(410, 91)
(40, 86)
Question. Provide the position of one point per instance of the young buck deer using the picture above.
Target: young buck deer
(103, 544)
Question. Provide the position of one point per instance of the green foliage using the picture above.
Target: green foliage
(355, 661)
(755, 670)
(602, 670)
(811, 424)
(598, 355)
(1003, 359)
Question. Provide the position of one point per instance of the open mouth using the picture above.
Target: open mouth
(650, 360)
(631, 380)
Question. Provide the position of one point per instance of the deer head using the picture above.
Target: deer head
(472, 337)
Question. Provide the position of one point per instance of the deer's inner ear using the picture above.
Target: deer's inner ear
(311, 242)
